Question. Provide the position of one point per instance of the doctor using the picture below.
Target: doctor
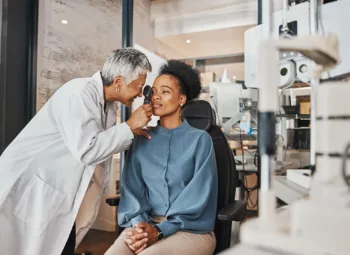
(61, 160)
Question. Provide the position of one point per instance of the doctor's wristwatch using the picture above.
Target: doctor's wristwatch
(160, 235)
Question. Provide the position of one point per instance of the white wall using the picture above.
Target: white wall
(233, 69)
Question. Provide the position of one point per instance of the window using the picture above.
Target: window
(74, 37)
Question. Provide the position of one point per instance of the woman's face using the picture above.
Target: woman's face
(167, 98)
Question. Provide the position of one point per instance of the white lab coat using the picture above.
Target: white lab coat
(50, 167)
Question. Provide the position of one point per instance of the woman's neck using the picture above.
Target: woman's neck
(170, 122)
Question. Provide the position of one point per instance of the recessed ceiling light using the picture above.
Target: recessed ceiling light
(64, 21)
(188, 41)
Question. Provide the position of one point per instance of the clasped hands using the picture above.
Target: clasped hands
(140, 237)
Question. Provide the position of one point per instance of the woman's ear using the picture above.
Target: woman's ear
(183, 100)
(117, 83)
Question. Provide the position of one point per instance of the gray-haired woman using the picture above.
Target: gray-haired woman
(60, 162)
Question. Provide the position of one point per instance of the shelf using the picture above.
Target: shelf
(294, 116)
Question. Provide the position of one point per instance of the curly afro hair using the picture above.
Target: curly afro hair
(187, 77)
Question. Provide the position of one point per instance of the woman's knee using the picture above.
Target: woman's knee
(184, 243)
(119, 246)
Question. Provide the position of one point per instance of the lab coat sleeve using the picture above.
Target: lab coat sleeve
(195, 208)
(133, 206)
(77, 117)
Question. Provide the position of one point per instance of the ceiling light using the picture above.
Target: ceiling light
(234, 77)
(188, 41)
(64, 21)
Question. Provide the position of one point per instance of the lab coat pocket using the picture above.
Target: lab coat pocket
(38, 204)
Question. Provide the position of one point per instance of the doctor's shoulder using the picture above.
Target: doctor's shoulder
(81, 87)
(76, 84)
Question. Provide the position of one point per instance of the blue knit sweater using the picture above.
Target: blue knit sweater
(174, 175)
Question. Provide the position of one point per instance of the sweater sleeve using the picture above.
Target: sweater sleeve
(195, 207)
(133, 207)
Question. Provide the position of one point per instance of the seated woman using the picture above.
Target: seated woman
(169, 183)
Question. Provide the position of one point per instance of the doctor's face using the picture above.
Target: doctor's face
(132, 90)
(167, 97)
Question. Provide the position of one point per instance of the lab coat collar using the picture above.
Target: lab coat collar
(98, 79)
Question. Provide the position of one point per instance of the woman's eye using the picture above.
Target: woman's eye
(165, 92)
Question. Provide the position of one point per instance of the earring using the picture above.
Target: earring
(118, 89)
(181, 105)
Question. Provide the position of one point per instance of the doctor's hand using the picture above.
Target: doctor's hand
(140, 117)
(136, 239)
(142, 132)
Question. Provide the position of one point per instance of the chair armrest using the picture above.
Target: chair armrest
(113, 200)
(234, 211)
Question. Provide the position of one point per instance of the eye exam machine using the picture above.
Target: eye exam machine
(307, 42)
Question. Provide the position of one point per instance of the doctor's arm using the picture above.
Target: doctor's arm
(195, 207)
(77, 119)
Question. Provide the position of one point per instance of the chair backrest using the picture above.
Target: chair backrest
(199, 114)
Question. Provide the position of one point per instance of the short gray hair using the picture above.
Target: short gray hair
(128, 63)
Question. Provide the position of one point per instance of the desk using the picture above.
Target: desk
(288, 191)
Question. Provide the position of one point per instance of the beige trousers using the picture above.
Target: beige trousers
(177, 244)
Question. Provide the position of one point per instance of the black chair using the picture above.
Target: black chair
(199, 114)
